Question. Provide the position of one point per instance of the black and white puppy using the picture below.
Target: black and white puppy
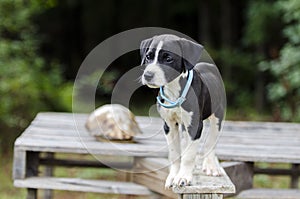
(169, 62)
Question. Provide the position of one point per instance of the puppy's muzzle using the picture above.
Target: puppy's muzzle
(148, 76)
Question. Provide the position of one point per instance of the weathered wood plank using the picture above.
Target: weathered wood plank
(249, 131)
(202, 196)
(258, 128)
(147, 169)
(202, 183)
(243, 132)
(157, 132)
(86, 163)
(231, 125)
(74, 184)
(225, 151)
(275, 171)
(152, 172)
(56, 131)
(153, 183)
(48, 194)
(32, 163)
(228, 140)
(258, 153)
(157, 124)
(147, 128)
(208, 184)
(240, 173)
(90, 147)
(19, 164)
(295, 176)
(248, 135)
(270, 194)
(31, 194)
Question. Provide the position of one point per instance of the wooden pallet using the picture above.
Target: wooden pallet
(65, 133)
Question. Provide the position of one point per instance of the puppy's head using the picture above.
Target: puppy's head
(166, 57)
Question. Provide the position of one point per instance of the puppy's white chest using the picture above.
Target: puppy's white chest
(176, 115)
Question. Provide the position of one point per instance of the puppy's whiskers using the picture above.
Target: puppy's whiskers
(139, 79)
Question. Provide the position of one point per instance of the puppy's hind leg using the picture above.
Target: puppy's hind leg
(211, 164)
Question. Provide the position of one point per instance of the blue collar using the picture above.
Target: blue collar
(181, 99)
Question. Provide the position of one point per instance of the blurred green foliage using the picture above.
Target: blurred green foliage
(28, 84)
(284, 91)
(262, 19)
(272, 32)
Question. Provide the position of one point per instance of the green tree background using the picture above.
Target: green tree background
(255, 44)
(28, 84)
(284, 91)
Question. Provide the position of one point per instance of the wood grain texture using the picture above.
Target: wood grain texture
(240, 141)
(75, 184)
(152, 173)
(19, 164)
(241, 175)
(202, 183)
(202, 196)
(270, 194)
(48, 194)
(31, 194)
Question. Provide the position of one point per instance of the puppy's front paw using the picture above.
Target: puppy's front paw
(211, 167)
(169, 181)
(183, 179)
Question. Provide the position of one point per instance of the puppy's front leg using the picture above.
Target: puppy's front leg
(189, 151)
(172, 135)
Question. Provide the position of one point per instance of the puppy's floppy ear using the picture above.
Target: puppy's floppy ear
(191, 53)
(145, 44)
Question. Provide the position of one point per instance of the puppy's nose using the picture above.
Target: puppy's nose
(148, 75)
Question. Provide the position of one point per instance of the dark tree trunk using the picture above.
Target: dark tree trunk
(225, 34)
(204, 23)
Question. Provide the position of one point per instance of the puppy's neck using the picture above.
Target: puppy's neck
(174, 88)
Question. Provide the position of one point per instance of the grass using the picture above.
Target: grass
(247, 114)
(275, 182)
(7, 190)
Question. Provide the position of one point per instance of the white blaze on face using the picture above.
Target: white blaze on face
(159, 77)
(159, 46)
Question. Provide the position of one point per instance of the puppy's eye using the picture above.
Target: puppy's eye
(168, 58)
(149, 56)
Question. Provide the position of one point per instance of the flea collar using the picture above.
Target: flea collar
(172, 104)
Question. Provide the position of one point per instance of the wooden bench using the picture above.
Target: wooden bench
(242, 142)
